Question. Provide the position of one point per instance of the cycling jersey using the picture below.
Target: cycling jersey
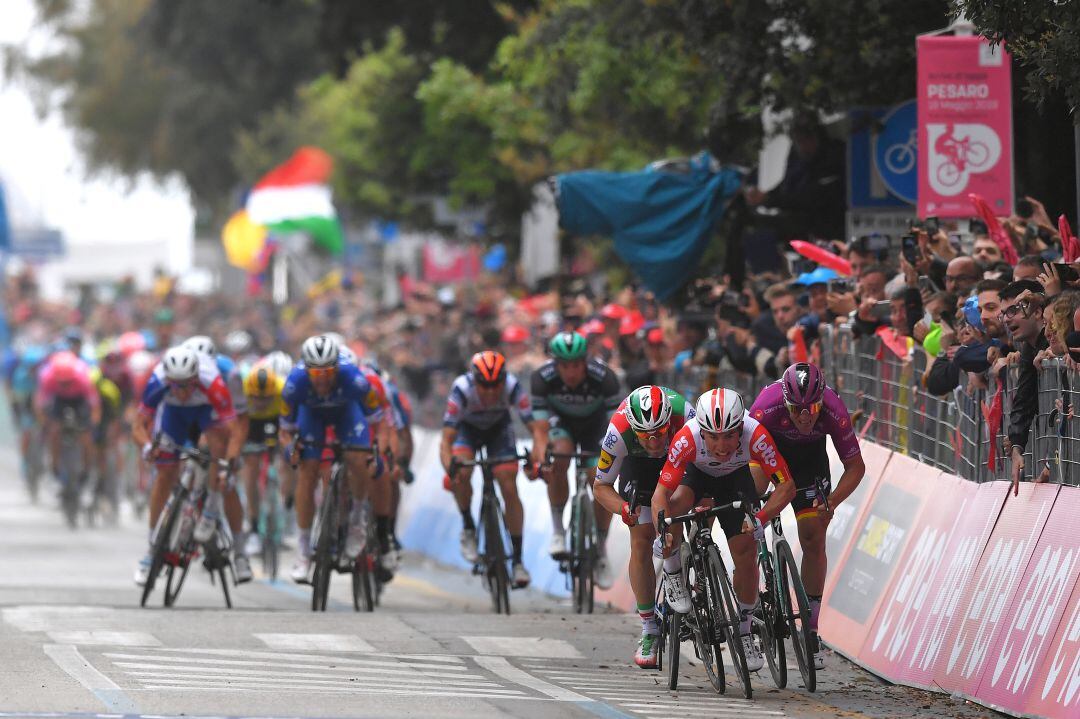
(400, 403)
(350, 405)
(597, 394)
(755, 445)
(210, 391)
(81, 389)
(464, 407)
(620, 442)
(834, 421)
(270, 406)
(234, 381)
(111, 401)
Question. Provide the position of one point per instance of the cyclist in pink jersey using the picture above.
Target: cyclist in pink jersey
(800, 411)
(64, 387)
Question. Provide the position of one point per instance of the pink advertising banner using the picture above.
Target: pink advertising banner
(965, 126)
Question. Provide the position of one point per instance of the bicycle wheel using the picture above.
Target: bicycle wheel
(225, 587)
(769, 623)
(363, 584)
(166, 525)
(708, 651)
(498, 576)
(173, 591)
(672, 630)
(796, 609)
(584, 556)
(269, 542)
(726, 617)
(325, 549)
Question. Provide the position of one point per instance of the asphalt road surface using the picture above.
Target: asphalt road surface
(74, 642)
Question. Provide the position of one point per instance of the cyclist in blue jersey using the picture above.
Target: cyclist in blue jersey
(321, 392)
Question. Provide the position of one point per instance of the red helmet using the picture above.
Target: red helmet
(612, 311)
(488, 368)
(631, 322)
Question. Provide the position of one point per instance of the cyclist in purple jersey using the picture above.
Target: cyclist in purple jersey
(800, 411)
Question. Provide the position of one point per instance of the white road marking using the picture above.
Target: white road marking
(150, 677)
(347, 674)
(201, 663)
(94, 636)
(45, 617)
(68, 658)
(501, 667)
(303, 659)
(675, 709)
(523, 647)
(316, 642)
(187, 686)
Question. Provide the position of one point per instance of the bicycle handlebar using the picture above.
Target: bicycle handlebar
(456, 463)
(703, 514)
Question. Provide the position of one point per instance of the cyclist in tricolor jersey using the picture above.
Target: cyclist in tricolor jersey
(711, 457)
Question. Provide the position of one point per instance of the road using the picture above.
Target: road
(75, 643)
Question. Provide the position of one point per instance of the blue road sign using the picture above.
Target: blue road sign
(896, 151)
(868, 188)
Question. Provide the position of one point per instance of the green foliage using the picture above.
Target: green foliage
(1043, 36)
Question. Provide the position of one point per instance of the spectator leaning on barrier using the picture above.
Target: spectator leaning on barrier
(1021, 309)
(971, 349)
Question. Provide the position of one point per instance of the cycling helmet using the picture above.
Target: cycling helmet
(648, 409)
(130, 342)
(238, 342)
(320, 351)
(281, 363)
(488, 367)
(261, 381)
(181, 363)
(568, 346)
(345, 354)
(64, 367)
(201, 344)
(720, 410)
(803, 384)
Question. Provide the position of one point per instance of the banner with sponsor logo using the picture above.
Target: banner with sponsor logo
(1056, 686)
(922, 600)
(849, 514)
(964, 95)
(966, 650)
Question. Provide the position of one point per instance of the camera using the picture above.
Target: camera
(909, 248)
(932, 226)
(841, 285)
(1024, 209)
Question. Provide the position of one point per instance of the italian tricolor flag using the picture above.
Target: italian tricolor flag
(295, 197)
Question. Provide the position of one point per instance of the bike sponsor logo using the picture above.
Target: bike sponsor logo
(605, 461)
(680, 446)
(766, 451)
(610, 440)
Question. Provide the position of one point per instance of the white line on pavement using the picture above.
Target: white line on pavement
(116, 639)
(68, 658)
(169, 670)
(208, 656)
(215, 677)
(501, 667)
(180, 663)
(247, 686)
(523, 647)
(316, 642)
(673, 709)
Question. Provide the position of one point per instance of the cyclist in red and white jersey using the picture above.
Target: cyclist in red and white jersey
(711, 457)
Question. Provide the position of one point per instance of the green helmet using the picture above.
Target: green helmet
(567, 346)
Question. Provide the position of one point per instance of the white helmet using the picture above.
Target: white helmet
(281, 363)
(320, 351)
(720, 410)
(346, 354)
(180, 364)
(648, 409)
(201, 344)
(238, 342)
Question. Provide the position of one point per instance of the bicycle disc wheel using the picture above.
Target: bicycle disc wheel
(769, 623)
(672, 629)
(726, 614)
(704, 632)
(797, 611)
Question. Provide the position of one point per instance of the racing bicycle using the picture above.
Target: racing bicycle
(584, 539)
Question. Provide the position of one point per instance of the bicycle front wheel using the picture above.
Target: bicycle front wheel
(796, 609)
(584, 555)
(704, 631)
(726, 617)
(769, 622)
(673, 627)
(162, 536)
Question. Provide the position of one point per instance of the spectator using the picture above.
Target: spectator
(654, 367)
(986, 251)
(1028, 268)
(1021, 309)
(962, 274)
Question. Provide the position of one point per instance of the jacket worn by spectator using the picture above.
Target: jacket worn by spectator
(944, 375)
(1025, 398)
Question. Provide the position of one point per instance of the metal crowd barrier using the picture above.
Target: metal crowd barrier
(891, 407)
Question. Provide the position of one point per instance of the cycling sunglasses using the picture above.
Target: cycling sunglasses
(655, 434)
(797, 410)
(317, 372)
(183, 384)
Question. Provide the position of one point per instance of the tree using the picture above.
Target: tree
(1043, 36)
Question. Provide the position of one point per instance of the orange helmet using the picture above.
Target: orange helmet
(488, 367)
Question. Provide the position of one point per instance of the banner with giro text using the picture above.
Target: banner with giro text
(965, 125)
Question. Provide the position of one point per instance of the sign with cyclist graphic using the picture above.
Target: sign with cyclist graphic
(965, 126)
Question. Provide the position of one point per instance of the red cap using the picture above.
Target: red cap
(612, 311)
(655, 336)
(631, 323)
(515, 333)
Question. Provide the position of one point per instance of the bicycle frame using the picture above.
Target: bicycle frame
(583, 535)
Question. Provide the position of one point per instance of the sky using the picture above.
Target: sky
(45, 182)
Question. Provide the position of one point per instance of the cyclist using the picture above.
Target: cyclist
(63, 386)
(105, 438)
(403, 422)
(385, 433)
(478, 415)
(575, 395)
(634, 448)
(283, 364)
(711, 457)
(323, 391)
(799, 411)
(262, 390)
(234, 508)
(22, 387)
(186, 398)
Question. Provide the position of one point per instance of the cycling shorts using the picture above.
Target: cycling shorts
(585, 432)
(498, 441)
(181, 426)
(808, 461)
(737, 486)
(349, 423)
(78, 409)
(637, 479)
(262, 435)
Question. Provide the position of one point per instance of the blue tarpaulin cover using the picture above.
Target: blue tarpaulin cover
(660, 220)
